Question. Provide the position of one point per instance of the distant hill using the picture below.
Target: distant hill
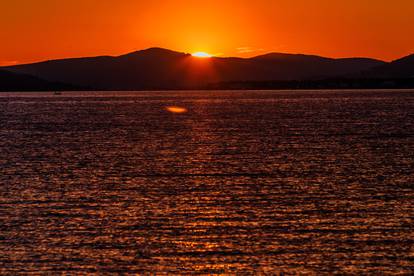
(157, 68)
(20, 82)
(400, 68)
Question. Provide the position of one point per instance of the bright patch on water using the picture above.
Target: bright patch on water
(176, 109)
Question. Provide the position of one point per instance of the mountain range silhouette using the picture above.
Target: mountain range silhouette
(157, 68)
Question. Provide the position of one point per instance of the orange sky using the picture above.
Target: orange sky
(34, 30)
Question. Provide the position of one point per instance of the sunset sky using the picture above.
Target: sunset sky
(35, 30)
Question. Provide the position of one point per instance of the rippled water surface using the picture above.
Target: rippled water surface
(235, 182)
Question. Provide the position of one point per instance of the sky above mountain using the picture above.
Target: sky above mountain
(35, 30)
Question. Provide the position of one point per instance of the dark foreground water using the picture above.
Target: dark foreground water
(243, 182)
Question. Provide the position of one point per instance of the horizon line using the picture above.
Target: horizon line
(16, 63)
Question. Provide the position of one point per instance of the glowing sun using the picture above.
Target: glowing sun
(201, 55)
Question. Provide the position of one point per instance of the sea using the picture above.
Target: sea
(207, 182)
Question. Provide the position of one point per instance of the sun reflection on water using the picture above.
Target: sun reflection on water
(176, 109)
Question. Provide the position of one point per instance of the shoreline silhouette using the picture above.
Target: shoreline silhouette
(162, 69)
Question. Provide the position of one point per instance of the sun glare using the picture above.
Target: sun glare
(201, 55)
(176, 109)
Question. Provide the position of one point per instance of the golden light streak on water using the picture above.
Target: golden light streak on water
(176, 109)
